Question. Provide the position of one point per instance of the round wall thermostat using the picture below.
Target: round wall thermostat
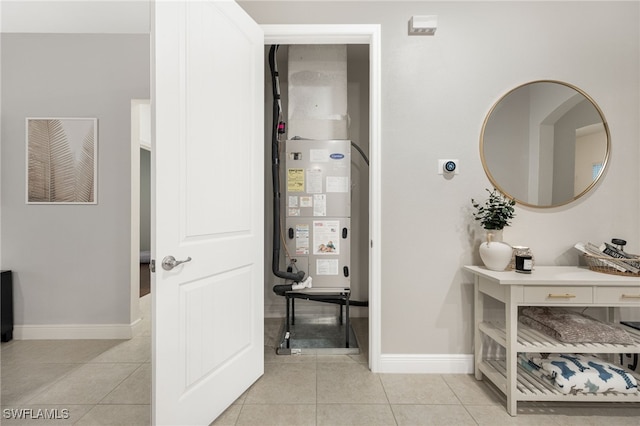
(449, 166)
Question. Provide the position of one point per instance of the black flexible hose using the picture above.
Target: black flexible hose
(275, 174)
(281, 289)
(364, 156)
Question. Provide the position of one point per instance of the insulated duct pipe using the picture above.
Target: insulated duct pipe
(275, 173)
(281, 290)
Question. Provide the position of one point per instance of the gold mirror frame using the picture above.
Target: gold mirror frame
(527, 202)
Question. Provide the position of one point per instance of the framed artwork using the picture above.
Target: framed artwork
(62, 160)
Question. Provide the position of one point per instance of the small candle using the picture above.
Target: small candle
(524, 263)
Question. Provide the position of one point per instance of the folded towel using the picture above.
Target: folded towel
(572, 327)
(576, 373)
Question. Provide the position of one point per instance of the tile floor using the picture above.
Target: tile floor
(109, 382)
(97, 381)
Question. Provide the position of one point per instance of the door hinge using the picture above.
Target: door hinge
(152, 265)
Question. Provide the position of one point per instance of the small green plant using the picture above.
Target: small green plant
(496, 212)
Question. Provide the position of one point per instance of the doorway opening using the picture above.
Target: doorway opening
(363, 43)
(140, 280)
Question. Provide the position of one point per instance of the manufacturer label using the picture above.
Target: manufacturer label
(337, 156)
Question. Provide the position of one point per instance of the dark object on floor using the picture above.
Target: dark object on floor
(7, 306)
(145, 279)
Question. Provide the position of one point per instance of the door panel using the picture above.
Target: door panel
(208, 206)
(214, 80)
(205, 347)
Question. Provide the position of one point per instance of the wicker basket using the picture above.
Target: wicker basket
(604, 264)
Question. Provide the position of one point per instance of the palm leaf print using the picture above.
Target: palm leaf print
(51, 167)
(85, 170)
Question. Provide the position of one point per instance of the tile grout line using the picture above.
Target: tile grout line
(49, 385)
(121, 382)
(384, 389)
(459, 400)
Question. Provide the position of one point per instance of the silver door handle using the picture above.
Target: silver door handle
(170, 262)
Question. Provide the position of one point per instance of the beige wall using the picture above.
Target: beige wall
(435, 94)
(71, 262)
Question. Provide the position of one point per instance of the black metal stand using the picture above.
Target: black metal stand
(340, 297)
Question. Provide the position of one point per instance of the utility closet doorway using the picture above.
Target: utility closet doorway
(359, 86)
(358, 117)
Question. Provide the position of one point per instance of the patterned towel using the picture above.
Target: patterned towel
(572, 327)
(577, 374)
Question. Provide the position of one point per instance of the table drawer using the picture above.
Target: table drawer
(559, 295)
(618, 295)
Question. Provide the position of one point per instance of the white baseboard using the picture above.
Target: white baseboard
(74, 331)
(426, 363)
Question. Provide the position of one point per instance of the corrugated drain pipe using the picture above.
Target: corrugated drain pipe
(275, 173)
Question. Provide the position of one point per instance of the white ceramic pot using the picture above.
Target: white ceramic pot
(496, 255)
(493, 235)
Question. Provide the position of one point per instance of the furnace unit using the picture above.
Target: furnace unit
(318, 210)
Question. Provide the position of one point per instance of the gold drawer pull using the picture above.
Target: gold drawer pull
(561, 296)
(631, 296)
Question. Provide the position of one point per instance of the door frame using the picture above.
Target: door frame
(304, 34)
(355, 34)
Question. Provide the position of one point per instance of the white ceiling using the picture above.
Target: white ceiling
(75, 16)
(93, 16)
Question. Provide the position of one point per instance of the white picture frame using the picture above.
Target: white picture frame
(62, 160)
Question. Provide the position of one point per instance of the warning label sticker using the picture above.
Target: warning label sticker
(306, 201)
(295, 180)
(326, 237)
(327, 267)
(302, 239)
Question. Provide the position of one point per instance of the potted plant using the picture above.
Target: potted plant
(496, 213)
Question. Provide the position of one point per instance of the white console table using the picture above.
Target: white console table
(545, 286)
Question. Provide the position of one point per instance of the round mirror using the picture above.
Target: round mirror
(544, 143)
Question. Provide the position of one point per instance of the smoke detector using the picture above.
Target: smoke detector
(423, 25)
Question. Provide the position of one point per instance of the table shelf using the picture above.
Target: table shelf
(532, 388)
(531, 340)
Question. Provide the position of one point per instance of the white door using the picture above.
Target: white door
(207, 100)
